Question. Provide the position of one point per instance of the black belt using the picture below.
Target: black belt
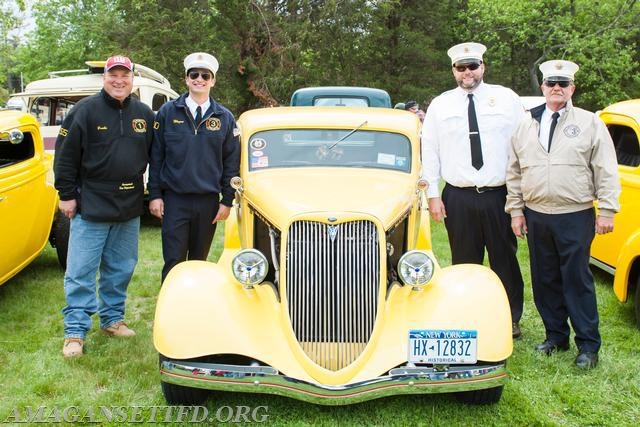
(480, 189)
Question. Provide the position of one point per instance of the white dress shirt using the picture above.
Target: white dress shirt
(193, 106)
(446, 151)
(545, 127)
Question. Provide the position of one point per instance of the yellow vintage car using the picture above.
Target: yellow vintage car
(28, 199)
(619, 252)
(327, 289)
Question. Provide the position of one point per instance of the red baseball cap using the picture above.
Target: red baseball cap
(118, 61)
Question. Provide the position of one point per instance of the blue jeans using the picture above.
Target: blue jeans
(107, 248)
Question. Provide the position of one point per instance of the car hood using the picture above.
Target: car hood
(279, 197)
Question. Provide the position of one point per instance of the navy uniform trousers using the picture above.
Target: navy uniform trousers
(477, 220)
(187, 231)
(563, 288)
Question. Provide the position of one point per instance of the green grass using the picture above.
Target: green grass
(542, 391)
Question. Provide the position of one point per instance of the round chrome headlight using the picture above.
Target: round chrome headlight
(415, 268)
(250, 267)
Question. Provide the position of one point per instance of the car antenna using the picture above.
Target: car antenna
(348, 135)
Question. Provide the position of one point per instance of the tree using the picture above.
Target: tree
(602, 37)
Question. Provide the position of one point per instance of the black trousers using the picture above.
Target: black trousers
(476, 221)
(563, 287)
(187, 231)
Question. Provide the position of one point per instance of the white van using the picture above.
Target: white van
(50, 100)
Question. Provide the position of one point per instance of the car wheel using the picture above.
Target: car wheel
(59, 238)
(180, 395)
(481, 397)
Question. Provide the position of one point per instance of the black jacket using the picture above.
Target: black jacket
(190, 158)
(102, 152)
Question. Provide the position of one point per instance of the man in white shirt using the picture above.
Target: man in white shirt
(465, 141)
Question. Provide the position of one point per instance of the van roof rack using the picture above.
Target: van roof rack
(97, 67)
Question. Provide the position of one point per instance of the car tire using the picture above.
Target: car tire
(59, 238)
(480, 397)
(180, 395)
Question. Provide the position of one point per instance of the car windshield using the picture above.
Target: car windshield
(318, 147)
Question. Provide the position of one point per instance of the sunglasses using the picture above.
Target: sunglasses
(462, 68)
(561, 83)
(193, 75)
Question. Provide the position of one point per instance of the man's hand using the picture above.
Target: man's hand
(156, 207)
(223, 213)
(519, 226)
(68, 207)
(604, 224)
(436, 209)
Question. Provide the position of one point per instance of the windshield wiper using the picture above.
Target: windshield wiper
(347, 135)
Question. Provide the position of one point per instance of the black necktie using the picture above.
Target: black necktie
(474, 136)
(554, 122)
(198, 115)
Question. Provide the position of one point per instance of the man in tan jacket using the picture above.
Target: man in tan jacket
(562, 160)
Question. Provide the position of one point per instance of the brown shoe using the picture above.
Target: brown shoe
(72, 347)
(119, 329)
(516, 332)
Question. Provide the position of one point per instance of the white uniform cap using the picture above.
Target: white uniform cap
(201, 60)
(466, 52)
(558, 69)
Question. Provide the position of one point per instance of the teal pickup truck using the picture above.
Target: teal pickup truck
(341, 96)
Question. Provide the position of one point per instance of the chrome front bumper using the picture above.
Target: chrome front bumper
(264, 379)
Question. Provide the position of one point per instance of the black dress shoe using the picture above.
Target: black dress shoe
(515, 330)
(587, 360)
(549, 347)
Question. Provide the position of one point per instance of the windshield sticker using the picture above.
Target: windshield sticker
(258, 144)
(257, 153)
(260, 162)
(401, 162)
(386, 159)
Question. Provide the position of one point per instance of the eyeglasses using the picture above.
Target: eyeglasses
(193, 75)
(462, 68)
(561, 83)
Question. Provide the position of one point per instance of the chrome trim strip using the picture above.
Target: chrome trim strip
(265, 379)
(602, 266)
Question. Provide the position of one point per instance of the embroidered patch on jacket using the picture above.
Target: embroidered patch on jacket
(63, 132)
(139, 125)
(236, 132)
(213, 124)
(571, 131)
(178, 122)
(102, 127)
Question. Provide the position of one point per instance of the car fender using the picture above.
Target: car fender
(628, 254)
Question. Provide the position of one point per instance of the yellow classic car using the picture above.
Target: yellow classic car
(327, 289)
(619, 252)
(28, 199)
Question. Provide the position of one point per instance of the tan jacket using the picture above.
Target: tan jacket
(580, 168)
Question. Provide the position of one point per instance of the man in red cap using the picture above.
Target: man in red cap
(101, 155)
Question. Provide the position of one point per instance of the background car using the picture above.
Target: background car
(28, 199)
(327, 289)
(619, 252)
(340, 96)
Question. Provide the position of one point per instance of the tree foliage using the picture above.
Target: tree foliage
(269, 48)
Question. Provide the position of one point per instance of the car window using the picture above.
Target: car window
(335, 101)
(626, 144)
(324, 147)
(15, 153)
(158, 100)
(50, 111)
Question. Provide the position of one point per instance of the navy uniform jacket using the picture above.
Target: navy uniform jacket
(190, 158)
(102, 152)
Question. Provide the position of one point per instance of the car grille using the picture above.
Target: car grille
(332, 283)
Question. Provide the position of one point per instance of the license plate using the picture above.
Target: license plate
(443, 346)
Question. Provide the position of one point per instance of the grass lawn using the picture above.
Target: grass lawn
(542, 391)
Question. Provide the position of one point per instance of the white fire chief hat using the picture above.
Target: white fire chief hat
(558, 69)
(466, 53)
